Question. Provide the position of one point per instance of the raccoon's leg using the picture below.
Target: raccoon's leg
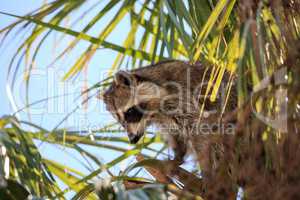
(177, 144)
(179, 147)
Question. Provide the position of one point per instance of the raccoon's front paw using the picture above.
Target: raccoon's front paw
(173, 167)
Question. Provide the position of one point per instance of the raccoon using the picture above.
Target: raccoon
(171, 96)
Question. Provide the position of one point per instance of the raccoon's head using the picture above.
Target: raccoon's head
(133, 101)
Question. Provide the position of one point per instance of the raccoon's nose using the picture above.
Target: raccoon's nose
(133, 138)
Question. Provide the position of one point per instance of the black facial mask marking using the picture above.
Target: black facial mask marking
(134, 114)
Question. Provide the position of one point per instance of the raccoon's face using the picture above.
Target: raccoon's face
(133, 101)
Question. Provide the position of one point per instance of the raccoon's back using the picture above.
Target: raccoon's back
(173, 72)
(191, 80)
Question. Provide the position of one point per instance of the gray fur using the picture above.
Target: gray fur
(171, 93)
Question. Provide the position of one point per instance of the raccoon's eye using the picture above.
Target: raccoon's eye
(126, 82)
(133, 114)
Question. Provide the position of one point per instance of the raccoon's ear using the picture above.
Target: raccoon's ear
(126, 78)
(123, 78)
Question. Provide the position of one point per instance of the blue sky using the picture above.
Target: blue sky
(14, 6)
(46, 79)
